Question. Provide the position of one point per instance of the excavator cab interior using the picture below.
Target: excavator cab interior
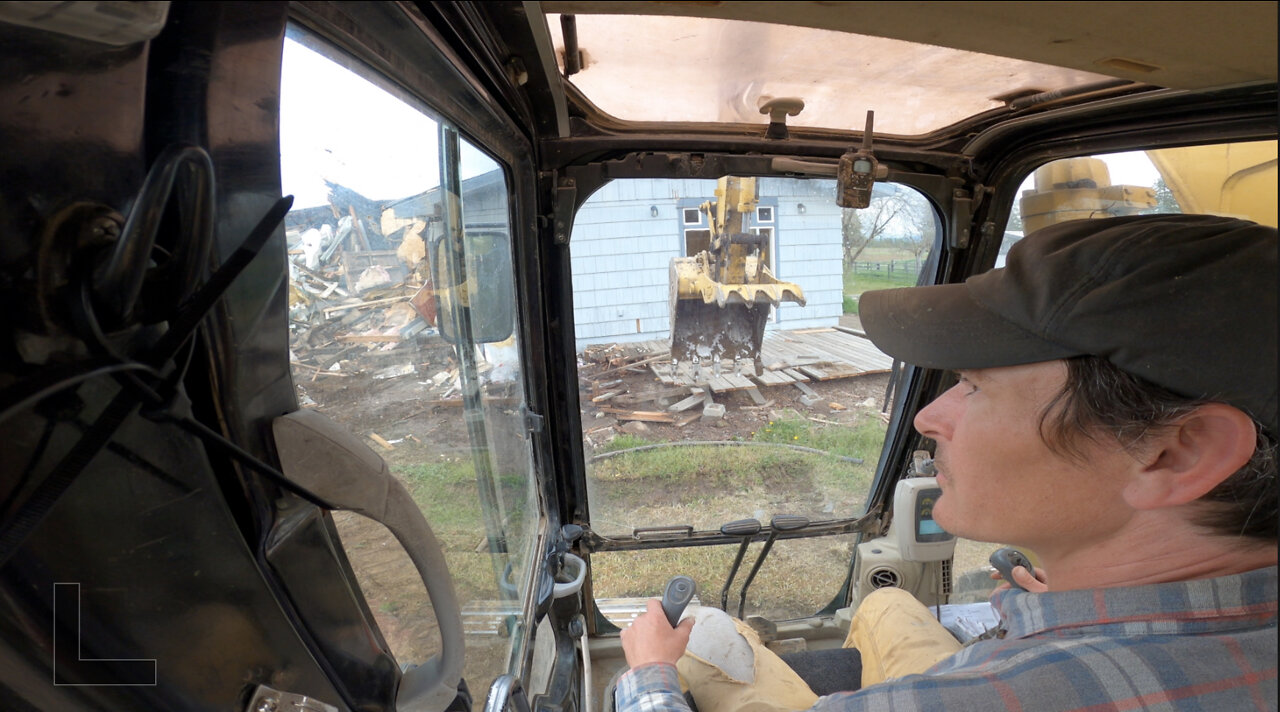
(391, 355)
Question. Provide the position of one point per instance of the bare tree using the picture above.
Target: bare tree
(860, 227)
(921, 225)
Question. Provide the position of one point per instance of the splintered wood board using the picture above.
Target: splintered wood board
(774, 378)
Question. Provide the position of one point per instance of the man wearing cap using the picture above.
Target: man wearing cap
(1114, 412)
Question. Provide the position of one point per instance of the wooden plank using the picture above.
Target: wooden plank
(755, 396)
(718, 384)
(796, 376)
(648, 416)
(774, 378)
(814, 330)
(851, 330)
(631, 364)
(664, 374)
(687, 418)
(813, 372)
(328, 313)
(652, 395)
(367, 338)
(687, 403)
(805, 389)
(509, 400)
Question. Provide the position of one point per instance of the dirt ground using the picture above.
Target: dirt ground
(838, 398)
(412, 405)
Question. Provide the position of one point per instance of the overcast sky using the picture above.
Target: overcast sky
(336, 125)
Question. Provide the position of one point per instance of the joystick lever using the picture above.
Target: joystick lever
(676, 597)
(1006, 559)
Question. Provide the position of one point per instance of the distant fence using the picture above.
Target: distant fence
(909, 268)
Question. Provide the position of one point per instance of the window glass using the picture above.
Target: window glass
(1236, 179)
(683, 428)
(402, 329)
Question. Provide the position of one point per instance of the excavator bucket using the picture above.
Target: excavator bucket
(721, 298)
(708, 332)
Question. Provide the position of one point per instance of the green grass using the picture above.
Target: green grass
(446, 492)
(624, 441)
(701, 486)
(863, 440)
(857, 283)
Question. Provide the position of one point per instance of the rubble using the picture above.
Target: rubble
(362, 306)
(360, 300)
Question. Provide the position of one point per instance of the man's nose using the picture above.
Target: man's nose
(931, 420)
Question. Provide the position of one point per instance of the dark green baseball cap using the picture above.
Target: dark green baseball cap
(1188, 302)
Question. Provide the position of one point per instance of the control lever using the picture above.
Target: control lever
(745, 528)
(676, 597)
(1005, 559)
(780, 523)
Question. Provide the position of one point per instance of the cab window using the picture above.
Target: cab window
(686, 427)
(402, 329)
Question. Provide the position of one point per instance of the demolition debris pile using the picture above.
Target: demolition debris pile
(360, 290)
(630, 387)
(363, 311)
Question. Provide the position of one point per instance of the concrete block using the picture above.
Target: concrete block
(713, 411)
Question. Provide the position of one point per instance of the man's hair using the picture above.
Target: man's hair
(1100, 400)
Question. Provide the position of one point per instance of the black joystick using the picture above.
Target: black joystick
(679, 592)
(1006, 559)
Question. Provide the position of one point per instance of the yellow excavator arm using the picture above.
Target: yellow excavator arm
(720, 298)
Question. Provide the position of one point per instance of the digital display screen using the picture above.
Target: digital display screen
(929, 526)
(927, 530)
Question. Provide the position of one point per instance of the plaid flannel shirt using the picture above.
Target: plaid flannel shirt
(1189, 645)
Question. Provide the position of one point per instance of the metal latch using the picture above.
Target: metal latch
(532, 420)
(266, 699)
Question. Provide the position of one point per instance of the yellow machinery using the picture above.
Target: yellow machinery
(721, 297)
(1077, 189)
(1225, 179)
(1236, 179)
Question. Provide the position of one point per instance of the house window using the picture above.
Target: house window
(767, 249)
(692, 216)
(696, 241)
(764, 214)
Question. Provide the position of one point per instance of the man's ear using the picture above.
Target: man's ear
(1192, 457)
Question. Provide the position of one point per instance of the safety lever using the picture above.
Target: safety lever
(745, 528)
(780, 523)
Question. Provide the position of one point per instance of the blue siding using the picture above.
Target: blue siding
(621, 254)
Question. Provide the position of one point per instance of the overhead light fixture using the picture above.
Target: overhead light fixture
(653, 211)
(800, 208)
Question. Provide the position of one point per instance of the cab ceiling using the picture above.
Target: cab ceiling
(1184, 45)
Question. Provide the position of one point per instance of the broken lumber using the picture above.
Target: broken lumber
(648, 416)
(367, 338)
(805, 389)
(687, 403)
(687, 418)
(330, 311)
